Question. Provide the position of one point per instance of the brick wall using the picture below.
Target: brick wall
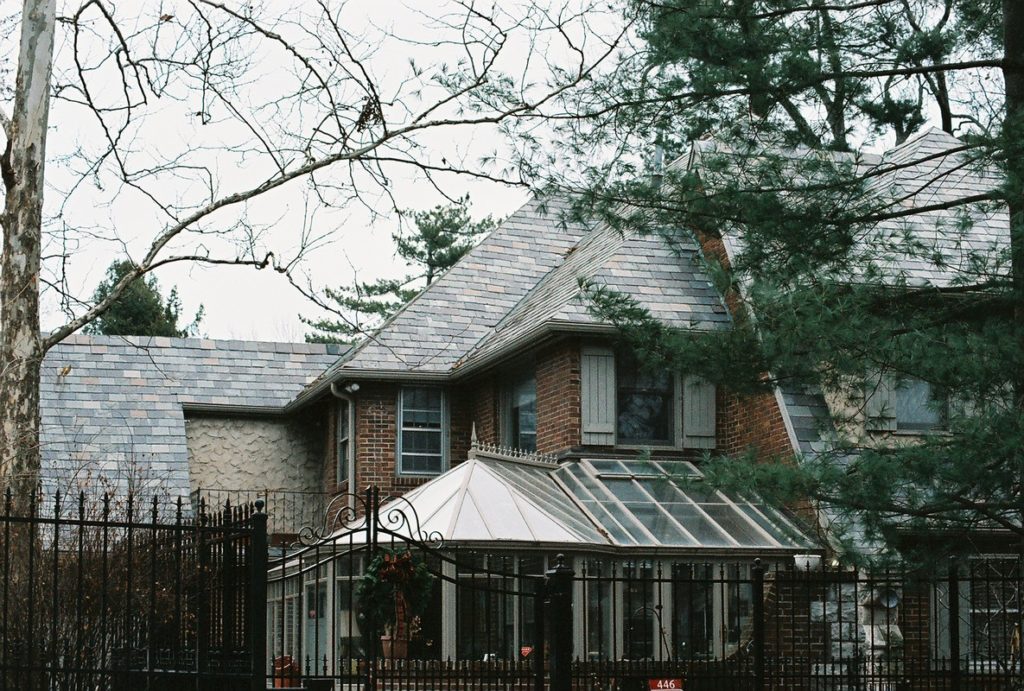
(376, 430)
(462, 407)
(482, 393)
(376, 436)
(747, 421)
(558, 397)
(752, 422)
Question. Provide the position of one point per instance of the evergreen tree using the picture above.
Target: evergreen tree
(822, 296)
(442, 236)
(140, 310)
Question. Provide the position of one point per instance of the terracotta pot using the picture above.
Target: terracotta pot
(287, 674)
(394, 648)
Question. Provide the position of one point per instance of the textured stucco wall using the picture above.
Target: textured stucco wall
(255, 454)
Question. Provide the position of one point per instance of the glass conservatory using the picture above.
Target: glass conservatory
(662, 565)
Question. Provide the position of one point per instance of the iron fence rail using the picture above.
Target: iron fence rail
(288, 511)
(133, 594)
(107, 594)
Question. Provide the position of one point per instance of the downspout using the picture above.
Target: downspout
(347, 397)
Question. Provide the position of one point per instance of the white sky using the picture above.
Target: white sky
(110, 220)
(241, 302)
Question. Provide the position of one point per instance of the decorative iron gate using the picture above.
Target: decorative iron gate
(368, 600)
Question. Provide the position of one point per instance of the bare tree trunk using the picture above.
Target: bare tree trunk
(22, 167)
(1013, 75)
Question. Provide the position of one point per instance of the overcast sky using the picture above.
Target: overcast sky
(110, 220)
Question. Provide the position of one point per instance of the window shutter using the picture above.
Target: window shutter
(880, 403)
(597, 396)
(698, 413)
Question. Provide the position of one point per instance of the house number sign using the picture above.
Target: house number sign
(658, 684)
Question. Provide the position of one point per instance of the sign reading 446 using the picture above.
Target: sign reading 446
(660, 684)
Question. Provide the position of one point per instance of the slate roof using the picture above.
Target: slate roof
(448, 318)
(523, 278)
(112, 406)
(666, 277)
(928, 170)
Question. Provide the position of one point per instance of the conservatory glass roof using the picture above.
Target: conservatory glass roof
(660, 504)
(594, 503)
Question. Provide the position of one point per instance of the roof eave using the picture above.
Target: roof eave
(314, 392)
(536, 335)
(234, 410)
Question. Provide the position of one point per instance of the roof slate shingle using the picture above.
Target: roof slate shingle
(112, 406)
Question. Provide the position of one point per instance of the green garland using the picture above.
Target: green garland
(393, 581)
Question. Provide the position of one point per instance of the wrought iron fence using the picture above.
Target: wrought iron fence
(128, 594)
(659, 623)
(288, 511)
(761, 625)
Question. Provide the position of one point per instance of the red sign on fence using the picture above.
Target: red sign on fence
(659, 684)
(526, 650)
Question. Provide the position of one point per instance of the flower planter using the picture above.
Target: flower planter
(394, 648)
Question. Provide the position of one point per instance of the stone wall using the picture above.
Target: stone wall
(255, 453)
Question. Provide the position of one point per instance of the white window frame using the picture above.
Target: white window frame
(400, 428)
(720, 582)
(345, 412)
(284, 618)
(941, 401)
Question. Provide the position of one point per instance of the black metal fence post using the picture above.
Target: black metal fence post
(203, 586)
(559, 597)
(954, 625)
(257, 596)
(372, 635)
(757, 583)
(538, 645)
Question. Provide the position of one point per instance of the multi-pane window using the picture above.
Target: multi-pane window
(421, 433)
(906, 404)
(918, 406)
(283, 617)
(343, 436)
(521, 415)
(644, 411)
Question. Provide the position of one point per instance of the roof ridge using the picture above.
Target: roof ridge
(192, 343)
